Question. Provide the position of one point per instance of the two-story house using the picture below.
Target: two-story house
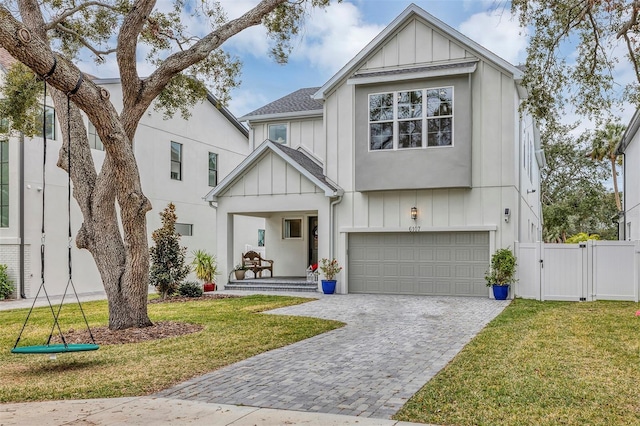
(411, 165)
(179, 160)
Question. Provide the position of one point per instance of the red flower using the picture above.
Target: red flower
(314, 267)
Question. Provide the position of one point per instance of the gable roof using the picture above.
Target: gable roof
(409, 13)
(300, 102)
(629, 133)
(210, 97)
(300, 161)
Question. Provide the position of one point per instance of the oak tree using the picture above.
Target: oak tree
(48, 35)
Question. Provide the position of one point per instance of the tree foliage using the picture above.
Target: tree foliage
(168, 267)
(574, 198)
(603, 147)
(574, 48)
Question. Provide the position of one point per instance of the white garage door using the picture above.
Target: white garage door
(436, 263)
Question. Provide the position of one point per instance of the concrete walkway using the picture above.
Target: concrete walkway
(390, 347)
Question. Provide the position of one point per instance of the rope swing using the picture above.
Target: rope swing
(47, 347)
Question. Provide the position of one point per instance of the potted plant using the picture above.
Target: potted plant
(329, 268)
(205, 268)
(502, 273)
(239, 271)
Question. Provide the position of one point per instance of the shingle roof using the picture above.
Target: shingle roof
(299, 101)
(303, 160)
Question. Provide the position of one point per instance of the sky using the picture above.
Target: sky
(334, 35)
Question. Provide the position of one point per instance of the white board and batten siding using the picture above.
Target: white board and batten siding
(595, 270)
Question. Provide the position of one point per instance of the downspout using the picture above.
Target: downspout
(21, 216)
(624, 201)
(332, 222)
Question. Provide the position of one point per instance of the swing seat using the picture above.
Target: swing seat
(55, 349)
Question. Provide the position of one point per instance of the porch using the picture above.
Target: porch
(272, 284)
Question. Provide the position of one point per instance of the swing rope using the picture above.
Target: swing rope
(65, 347)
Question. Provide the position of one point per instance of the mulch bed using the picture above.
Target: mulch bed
(159, 330)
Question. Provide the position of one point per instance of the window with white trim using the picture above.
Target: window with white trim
(176, 161)
(398, 120)
(292, 228)
(213, 169)
(184, 229)
(49, 123)
(278, 133)
(94, 139)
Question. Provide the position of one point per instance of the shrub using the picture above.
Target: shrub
(168, 267)
(581, 237)
(190, 289)
(6, 286)
(503, 268)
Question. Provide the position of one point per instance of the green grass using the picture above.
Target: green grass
(233, 330)
(551, 363)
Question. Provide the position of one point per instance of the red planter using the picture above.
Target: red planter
(209, 287)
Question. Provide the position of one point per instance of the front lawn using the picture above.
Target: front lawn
(541, 363)
(233, 330)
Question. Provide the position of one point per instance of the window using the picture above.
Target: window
(184, 229)
(213, 169)
(261, 237)
(4, 184)
(94, 139)
(278, 133)
(292, 228)
(176, 161)
(398, 120)
(49, 122)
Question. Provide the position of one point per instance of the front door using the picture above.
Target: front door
(313, 240)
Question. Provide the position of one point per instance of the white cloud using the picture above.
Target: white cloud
(498, 32)
(333, 36)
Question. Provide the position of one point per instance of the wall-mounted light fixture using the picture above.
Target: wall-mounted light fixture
(507, 213)
(414, 213)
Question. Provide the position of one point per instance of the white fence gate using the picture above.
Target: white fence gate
(595, 270)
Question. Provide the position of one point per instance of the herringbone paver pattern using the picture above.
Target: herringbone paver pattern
(390, 347)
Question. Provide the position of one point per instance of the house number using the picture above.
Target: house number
(414, 229)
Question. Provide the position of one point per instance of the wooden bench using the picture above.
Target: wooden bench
(252, 261)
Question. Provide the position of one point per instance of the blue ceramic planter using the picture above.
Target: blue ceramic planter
(500, 292)
(328, 286)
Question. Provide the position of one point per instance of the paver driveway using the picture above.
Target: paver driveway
(390, 347)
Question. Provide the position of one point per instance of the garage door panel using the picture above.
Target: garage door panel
(439, 263)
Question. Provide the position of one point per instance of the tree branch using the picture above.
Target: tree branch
(132, 26)
(182, 60)
(85, 42)
(69, 12)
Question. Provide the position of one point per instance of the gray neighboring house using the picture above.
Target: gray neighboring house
(411, 165)
(629, 146)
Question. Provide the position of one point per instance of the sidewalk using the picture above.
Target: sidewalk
(161, 411)
(5, 305)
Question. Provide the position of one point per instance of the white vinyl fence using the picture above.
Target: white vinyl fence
(595, 270)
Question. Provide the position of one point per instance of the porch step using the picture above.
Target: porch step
(271, 285)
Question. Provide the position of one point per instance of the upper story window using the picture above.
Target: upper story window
(176, 161)
(398, 120)
(49, 123)
(4, 183)
(94, 139)
(278, 133)
(213, 169)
